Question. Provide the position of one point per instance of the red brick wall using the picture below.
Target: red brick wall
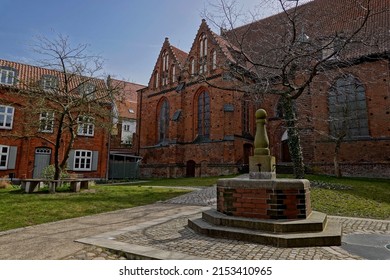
(26, 146)
(288, 202)
(359, 157)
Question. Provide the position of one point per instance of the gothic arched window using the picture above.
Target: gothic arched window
(204, 115)
(348, 108)
(202, 54)
(163, 122)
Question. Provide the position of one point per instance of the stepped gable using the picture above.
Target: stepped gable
(178, 55)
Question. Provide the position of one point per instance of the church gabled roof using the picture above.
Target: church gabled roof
(179, 57)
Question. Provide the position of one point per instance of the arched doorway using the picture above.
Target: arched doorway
(190, 172)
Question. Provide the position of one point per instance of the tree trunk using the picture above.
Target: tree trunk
(294, 142)
(336, 160)
(57, 166)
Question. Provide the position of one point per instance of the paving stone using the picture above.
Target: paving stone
(174, 235)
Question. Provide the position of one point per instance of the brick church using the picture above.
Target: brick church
(192, 123)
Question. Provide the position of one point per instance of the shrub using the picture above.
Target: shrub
(5, 183)
(48, 173)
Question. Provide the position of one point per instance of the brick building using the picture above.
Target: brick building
(187, 128)
(123, 163)
(28, 129)
(191, 122)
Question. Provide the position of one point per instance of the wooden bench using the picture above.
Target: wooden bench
(31, 185)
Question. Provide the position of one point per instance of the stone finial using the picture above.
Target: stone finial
(261, 138)
(261, 164)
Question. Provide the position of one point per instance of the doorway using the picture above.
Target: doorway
(190, 172)
(41, 161)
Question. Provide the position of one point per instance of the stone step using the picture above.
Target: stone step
(314, 223)
(330, 236)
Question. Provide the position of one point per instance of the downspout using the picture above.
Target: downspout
(108, 85)
(139, 121)
(108, 155)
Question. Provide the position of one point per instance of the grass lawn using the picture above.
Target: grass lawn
(367, 198)
(363, 197)
(18, 209)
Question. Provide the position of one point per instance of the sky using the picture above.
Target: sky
(127, 34)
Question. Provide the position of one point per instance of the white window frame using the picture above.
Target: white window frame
(82, 160)
(86, 126)
(4, 156)
(7, 76)
(6, 115)
(46, 122)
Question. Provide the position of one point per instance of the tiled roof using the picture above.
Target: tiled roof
(265, 40)
(127, 101)
(180, 55)
(29, 76)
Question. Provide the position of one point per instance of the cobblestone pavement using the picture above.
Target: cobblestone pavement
(174, 235)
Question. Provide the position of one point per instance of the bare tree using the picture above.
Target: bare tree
(70, 98)
(281, 55)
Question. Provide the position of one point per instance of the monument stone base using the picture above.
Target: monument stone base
(274, 212)
(264, 199)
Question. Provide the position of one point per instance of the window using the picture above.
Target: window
(348, 108)
(203, 45)
(204, 115)
(4, 152)
(46, 122)
(126, 127)
(245, 117)
(202, 54)
(7, 75)
(85, 126)
(88, 90)
(192, 69)
(165, 67)
(173, 74)
(49, 82)
(163, 122)
(6, 117)
(82, 160)
(8, 157)
(214, 64)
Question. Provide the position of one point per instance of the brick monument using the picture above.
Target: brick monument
(263, 209)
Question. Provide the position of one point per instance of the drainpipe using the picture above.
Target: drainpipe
(139, 121)
(108, 154)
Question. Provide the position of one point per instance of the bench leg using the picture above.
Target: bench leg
(52, 187)
(75, 186)
(30, 187)
(84, 184)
